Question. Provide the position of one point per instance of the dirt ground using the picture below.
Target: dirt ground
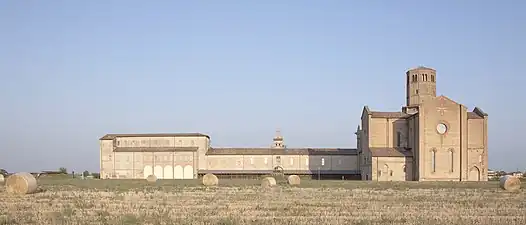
(75, 201)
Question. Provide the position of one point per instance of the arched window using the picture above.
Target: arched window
(451, 160)
(432, 78)
(398, 139)
(433, 160)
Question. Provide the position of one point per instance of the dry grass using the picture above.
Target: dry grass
(67, 201)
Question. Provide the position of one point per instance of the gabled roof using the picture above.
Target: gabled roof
(472, 115)
(380, 114)
(479, 112)
(113, 136)
(365, 111)
(285, 151)
(447, 99)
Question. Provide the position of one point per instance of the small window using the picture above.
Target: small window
(278, 159)
(416, 91)
(426, 77)
(451, 160)
(405, 169)
(432, 78)
(391, 173)
(433, 160)
(398, 138)
(322, 161)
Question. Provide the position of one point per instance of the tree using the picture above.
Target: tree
(3, 172)
(63, 170)
(85, 173)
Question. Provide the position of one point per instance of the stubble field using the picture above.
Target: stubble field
(73, 201)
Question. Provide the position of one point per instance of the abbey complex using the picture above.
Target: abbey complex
(432, 138)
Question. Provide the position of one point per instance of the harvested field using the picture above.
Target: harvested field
(68, 201)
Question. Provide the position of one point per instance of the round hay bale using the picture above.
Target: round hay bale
(21, 183)
(294, 180)
(151, 178)
(210, 180)
(510, 183)
(268, 182)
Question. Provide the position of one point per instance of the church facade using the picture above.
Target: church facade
(431, 139)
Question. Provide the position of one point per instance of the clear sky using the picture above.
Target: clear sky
(73, 71)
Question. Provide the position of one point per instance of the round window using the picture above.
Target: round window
(441, 128)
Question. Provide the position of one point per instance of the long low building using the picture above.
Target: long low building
(432, 138)
(189, 155)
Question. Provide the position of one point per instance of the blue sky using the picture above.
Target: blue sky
(73, 71)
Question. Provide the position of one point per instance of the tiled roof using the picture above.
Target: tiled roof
(154, 149)
(286, 151)
(112, 136)
(390, 152)
(473, 115)
(377, 114)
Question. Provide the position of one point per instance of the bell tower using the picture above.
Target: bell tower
(278, 140)
(420, 85)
